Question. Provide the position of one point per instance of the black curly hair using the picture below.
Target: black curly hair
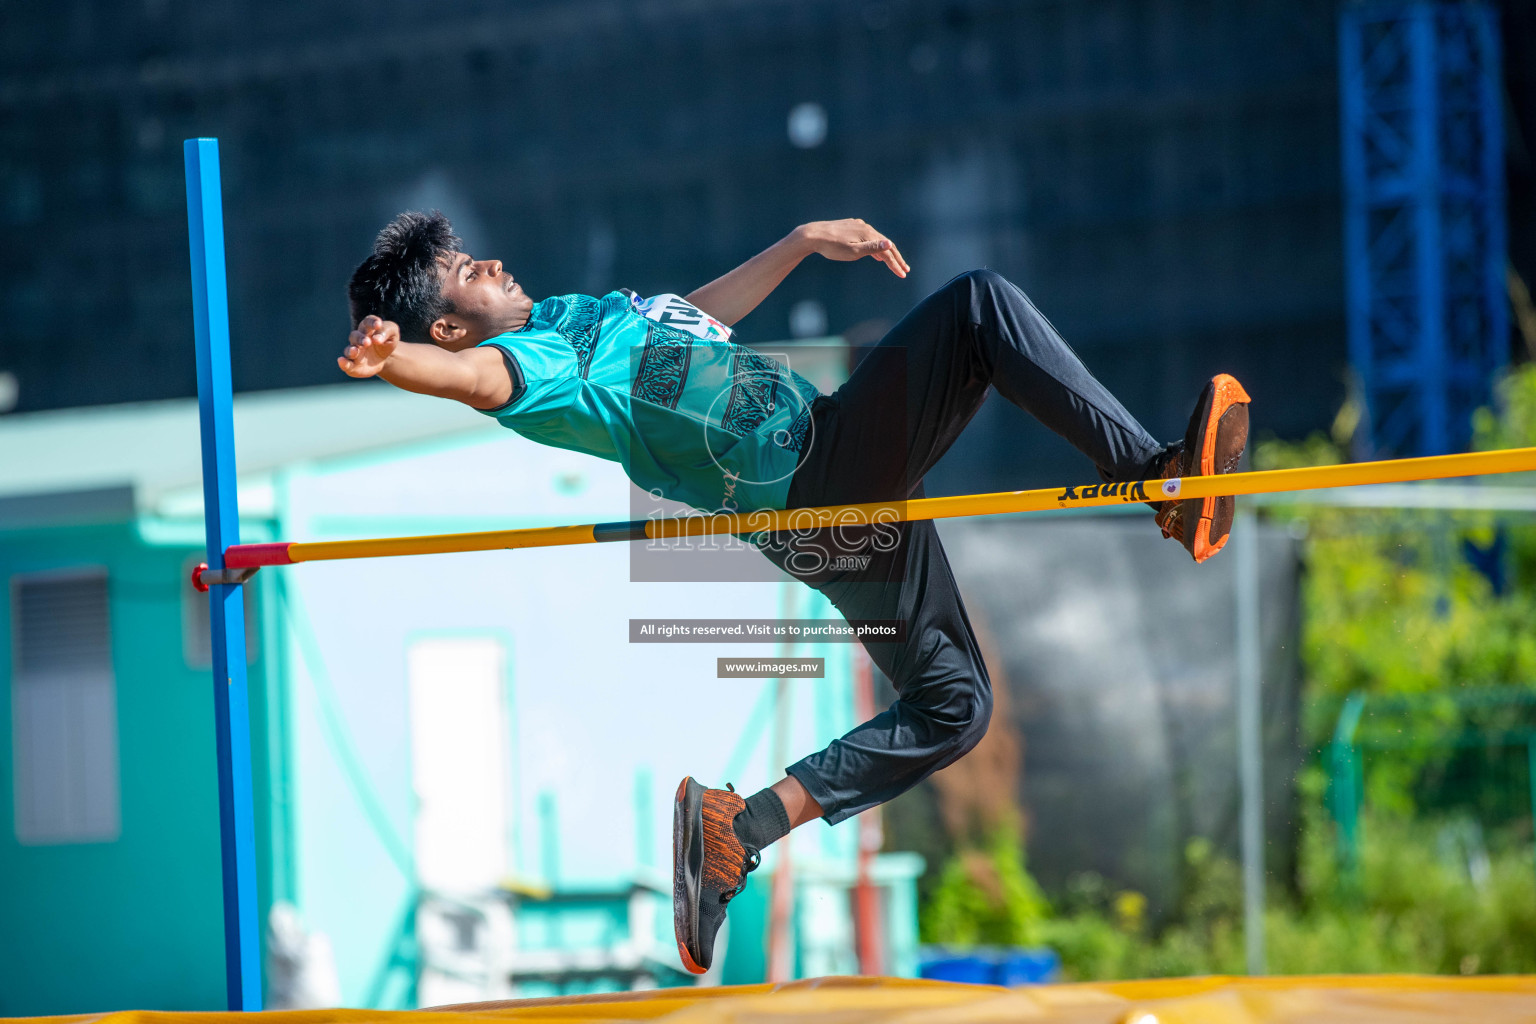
(402, 280)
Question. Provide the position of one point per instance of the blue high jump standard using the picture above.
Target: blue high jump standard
(221, 513)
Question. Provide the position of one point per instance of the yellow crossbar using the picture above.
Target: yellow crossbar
(1513, 460)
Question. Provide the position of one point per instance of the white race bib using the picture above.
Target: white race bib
(675, 311)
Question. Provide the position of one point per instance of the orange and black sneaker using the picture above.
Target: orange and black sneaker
(1214, 443)
(709, 867)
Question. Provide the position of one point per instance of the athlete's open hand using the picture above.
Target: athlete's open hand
(369, 347)
(851, 240)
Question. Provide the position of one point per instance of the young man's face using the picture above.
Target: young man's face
(486, 302)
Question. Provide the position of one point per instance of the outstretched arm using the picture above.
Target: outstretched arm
(730, 298)
(478, 377)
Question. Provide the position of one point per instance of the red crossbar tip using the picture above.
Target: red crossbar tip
(254, 556)
(197, 577)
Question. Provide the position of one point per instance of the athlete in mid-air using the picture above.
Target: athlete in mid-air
(658, 385)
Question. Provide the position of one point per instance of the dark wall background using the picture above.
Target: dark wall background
(1160, 175)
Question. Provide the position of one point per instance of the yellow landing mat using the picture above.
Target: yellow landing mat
(1395, 999)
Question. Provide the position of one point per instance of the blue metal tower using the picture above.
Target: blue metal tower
(1424, 229)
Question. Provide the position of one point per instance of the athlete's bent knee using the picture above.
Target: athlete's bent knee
(964, 731)
(984, 278)
(977, 727)
(974, 285)
(980, 280)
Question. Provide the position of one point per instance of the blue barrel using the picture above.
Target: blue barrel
(990, 965)
(973, 970)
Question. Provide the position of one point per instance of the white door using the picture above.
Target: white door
(459, 756)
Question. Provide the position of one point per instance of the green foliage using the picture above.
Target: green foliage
(1419, 911)
(1511, 423)
(986, 897)
(1420, 907)
(1392, 606)
(1099, 939)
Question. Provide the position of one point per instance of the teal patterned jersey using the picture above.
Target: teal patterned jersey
(701, 420)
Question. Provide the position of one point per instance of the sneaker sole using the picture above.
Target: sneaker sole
(687, 865)
(1220, 441)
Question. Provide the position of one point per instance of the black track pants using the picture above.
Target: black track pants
(874, 440)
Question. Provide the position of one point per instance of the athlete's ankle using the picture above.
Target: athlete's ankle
(762, 821)
(1164, 463)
